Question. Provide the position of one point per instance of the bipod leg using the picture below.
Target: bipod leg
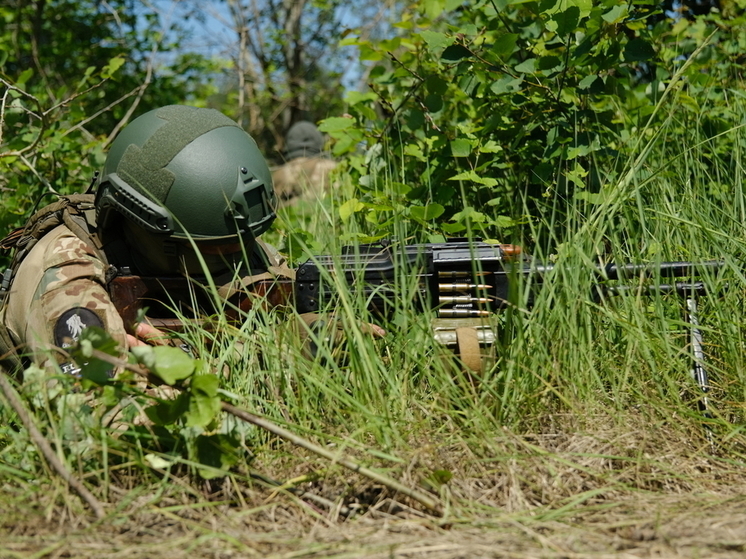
(699, 373)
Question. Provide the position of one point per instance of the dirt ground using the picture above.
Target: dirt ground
(686, 525)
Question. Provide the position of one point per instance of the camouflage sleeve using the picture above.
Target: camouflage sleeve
(61, 282)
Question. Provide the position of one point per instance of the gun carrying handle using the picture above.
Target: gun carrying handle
(467, 342)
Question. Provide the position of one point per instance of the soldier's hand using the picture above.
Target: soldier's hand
(373, 329)
(145, 334)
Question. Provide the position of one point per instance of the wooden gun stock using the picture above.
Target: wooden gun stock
(160, 296)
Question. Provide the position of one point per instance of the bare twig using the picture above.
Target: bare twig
(36, 173)
(3, 103)
(7, 390)
(107, 108)
(136, 102)
(40, 116)
(428, 501)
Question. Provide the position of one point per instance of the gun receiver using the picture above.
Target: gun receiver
(460, 279)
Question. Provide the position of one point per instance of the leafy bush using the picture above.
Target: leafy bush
(489, 114)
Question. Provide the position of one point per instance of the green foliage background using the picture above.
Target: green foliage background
(494, 114)
(71, 71)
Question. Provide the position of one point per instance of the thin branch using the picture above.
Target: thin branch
(428, 501)
(74, 96)
(102, 111)
(140, 93)
(36, 173)
(40, 116)
(3, 104)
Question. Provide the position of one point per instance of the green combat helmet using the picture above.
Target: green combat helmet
(303, 140)
(179, 173)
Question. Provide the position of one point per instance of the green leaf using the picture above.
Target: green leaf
(436, 85)
(454, 53)
(566, 22)
(100, 340)
(434, 103)
(356, 97)
(217, 452)
(591, 197)
(94, 371)
(577, 176)
(638, 50)
(433, 8)
(550, 64)
(469, 214)
(24, 77)
(413, 150)
(336, 124)
(474, 177)
(167, 412)
(368, 53)
(426, 213)
(587, 82)
(452, 227)
(490, 146)
(111, 68)
(442, 476)
(144, 356)
(505, 45)
(526, 67)
(616, 14)
(547, 6)
(461, 147)
(204, 404)
(170, 364)
(504, 221)
(688, 102)
(552, 7)
(350, 207)
(585, 6)
(415, 119)
(506, 84)
(436, 40)
(157, 462)
(578, 151)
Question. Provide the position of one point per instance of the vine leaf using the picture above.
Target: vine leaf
(204, 404)
(166, 412)
(170, 364)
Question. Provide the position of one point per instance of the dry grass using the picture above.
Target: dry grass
(577, 491)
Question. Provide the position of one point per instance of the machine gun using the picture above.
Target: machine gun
(462, 279)
(460, 282)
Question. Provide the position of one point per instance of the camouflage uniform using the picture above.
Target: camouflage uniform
(304, 178)
(58, 290)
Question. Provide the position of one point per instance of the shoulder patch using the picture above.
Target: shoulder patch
(72, 322)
